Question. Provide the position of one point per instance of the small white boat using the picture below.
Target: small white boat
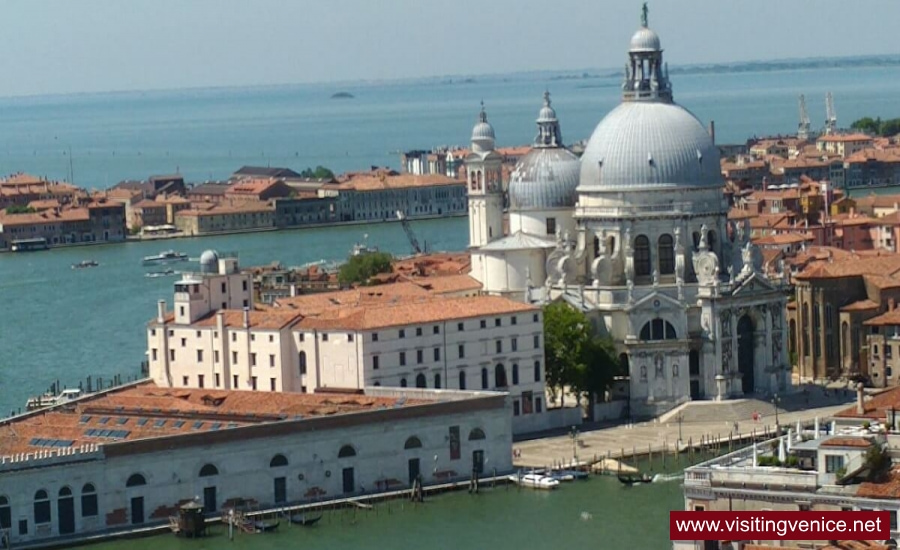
(85, 264)
(49, 400)
(165, 257)
(534, 481)
(166, 273)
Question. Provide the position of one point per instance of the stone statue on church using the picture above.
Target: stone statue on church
(679, 256)
(706, 263)
(601, 268)
(628, 251)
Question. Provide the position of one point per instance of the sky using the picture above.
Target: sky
(66, 46)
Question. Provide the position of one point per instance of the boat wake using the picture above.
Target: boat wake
(660, 478)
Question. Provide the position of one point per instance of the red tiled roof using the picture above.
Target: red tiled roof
(860, 442)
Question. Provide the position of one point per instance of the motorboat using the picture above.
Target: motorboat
(360, 249)
(635, 479)
(50, 400)
(534, 481)
(304, 519)
(166, 257)
(165, 273)
(84, 264)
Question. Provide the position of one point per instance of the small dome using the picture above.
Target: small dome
(645, 40)
(209, 262)
(482, 130)
(482, 133)
(649, 145)
(544, 178)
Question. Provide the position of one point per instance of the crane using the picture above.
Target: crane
(803, 128)
(830, 117)
(413, 241)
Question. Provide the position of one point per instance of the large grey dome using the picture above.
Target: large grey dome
(544, 178)
(646, 144)
(644, 40)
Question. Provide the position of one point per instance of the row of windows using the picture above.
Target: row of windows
(42, 509)
(436, 353)
(500, 378)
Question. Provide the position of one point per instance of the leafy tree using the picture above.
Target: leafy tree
(878, 463)
(867, 124)
(19, 209)
(319, 173)
(574, 357)
(359, 269)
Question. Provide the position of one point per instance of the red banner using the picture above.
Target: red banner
(775, 525)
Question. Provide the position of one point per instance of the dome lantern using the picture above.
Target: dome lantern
(646, 76)
(483, 133)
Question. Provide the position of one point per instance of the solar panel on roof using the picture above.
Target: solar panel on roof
(178, 423)
(197, 425)
(232, 425)
(103, 420)
(159, 423)
(85, 419)
(216, 426)
(142, 421)
(122, 421)
(41, 442)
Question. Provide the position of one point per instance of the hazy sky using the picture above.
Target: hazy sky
(57, 46)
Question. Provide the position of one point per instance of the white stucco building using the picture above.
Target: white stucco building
(402, 335)
(129, 457)
(640, 242)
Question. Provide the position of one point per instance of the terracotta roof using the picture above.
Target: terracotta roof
(861, 305)
(370, 182)
(885, 265)
(47, 216)
(147, 411)
(782, 239)
(845, 137)
(875, 408)
(447, 284)
(253, 186)
(146, 203)
(886, 489)
(219, 209)
(860, 442)
(267, 319)
(887, 318)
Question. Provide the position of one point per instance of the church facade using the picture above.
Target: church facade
(635, 234)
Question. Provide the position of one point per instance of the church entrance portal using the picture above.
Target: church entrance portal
(745, 352)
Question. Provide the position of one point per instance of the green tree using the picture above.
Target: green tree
(574, 357)
(319, 173)
(878, 463)
(867, 124)
(359, 269)
(889, 127)
(19, 209)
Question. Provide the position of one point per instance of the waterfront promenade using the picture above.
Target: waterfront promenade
(626, 439)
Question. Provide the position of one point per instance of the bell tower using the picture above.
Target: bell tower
(485, 190)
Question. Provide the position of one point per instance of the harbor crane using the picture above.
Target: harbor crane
(803, 128)
(413, 241)
(830, 116)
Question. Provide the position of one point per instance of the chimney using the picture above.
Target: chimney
(293, 290)
(712, 131)
(161, 312)
(860, 399)
(246, 317)
(220, 324)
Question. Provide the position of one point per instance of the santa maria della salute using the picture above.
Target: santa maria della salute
(634, 234)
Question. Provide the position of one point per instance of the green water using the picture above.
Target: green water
(498, 519)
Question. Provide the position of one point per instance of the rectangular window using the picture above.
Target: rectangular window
(185, 380)
(199, 355)
(224, 289)
(325, 337)
(253, 382)
(244, 285)
(375, 362)
(437, 354)
(515, 344)
(527, 402)
(198, 334)
(513, 320)
(833, 463)
(402, 358)
(534, 318)
(483, 323)
(88, 505)
(252, 359)
(271, 338)
(497, 322)
(537, 341)
(218, 380)
(216, 356)
(349, 337)
(181, 310)
(153, 353)
(499, 344)
(374, 336)
(462, 351)
(271, 360)
(184, 342)
(171, 355)
(234, 381)
(460, 327)
(272, 384)
(234, 337)
(538, 407)
(419, 356)
(401, 333)
(23, 526)
(418, 331)
(253, 338)
(234, 360)
(515, 407)
(537, 371)
(199, 380)
(301, 337)
(551, 226)
(436, 329)
(888, 351)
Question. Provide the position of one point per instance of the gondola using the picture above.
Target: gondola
(264, 526)
(635, 479)
(305, 520)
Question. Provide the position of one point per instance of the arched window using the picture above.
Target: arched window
(793, 337)
(346, 451)
(500, 377)
(462, 380)
(5, 513)
(437, 381)
(711, 240)
(376, 384)
(420, 381)
(65, 492)
(403, 382)
(696, 237)
(208, 470)
(845, 339)
(611, 245)
(413, 443)
(302, 359)
(41, 507)
(484, 378)
(817, 324)
(515, 374)
(135, 480)
(666, 253)
(278, 461)
(476, 434)
(658, 329)
(89, 506)
(641, 256)
(596, 246)
(804, 331)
